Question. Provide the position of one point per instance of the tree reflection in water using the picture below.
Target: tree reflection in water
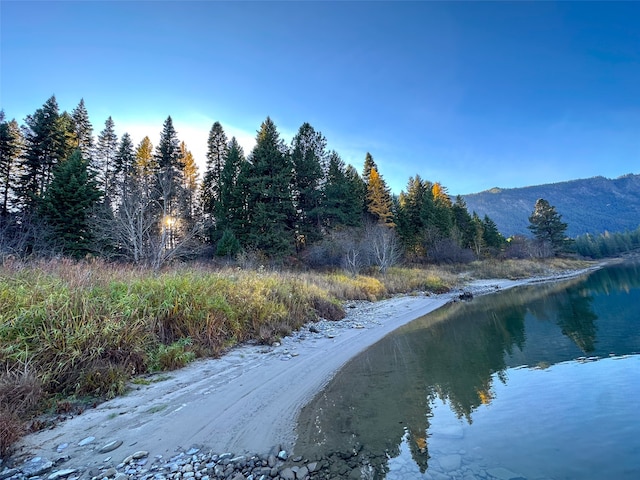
(386, 394)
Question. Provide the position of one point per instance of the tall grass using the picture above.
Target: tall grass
(84, 329)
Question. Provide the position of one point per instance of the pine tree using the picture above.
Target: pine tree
(547, 226)
(124, 166)
(358, 188)
(270, 203)
(105, 158)
(231, 211)
(308, 156)
(463, 223)
(442, 215)
(190, 182)
(68, 202)
(369, 164)
(491, 235)
(83, 130)
(414, 212)
(147, 167)
(217, 150)
(379, 202)
(45, 146)
(169, 178)
(10, 150)
(343, 202)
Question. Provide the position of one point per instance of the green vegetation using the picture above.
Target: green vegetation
(547, 227)
(607, 244)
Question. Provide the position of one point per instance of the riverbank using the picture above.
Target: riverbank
(247, 401)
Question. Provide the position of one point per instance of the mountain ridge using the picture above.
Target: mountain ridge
(591, 205)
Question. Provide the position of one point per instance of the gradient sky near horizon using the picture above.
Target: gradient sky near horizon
(473, 95)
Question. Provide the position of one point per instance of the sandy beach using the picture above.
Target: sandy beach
(244, 402)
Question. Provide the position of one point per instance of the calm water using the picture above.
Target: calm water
(539, 382)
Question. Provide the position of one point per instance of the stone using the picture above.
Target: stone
(302, 472)
(61, 474)
(313, 466)
(110, 446)
(37, 466)
(282, 455)
(10, 472)
(449, 463)
(86, 441)
(288, 474)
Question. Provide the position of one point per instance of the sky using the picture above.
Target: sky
(473, 95)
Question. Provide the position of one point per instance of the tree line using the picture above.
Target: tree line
(64, 191)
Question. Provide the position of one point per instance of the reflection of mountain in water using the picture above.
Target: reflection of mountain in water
(385, 394)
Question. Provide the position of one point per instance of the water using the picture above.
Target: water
(539, 382)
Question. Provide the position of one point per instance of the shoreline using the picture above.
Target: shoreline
(244, 402)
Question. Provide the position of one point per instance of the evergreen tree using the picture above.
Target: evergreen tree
(547, 226)
(124, 166)
(271, 205)
(190, 185)
(67, 204)
(170, 171)
(442, 214)
(147, 167)
(343, 195)
(83, 130)
(359, 188)
(463, 223)
(104, 159)
(228, 245)
(491, 235)
(46, 145)
(231, 211)
(414, 212)
(369, 164)
(308, 156)
(217, 151)
(379, 203)
(10, 150)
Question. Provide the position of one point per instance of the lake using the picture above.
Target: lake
(536, 382)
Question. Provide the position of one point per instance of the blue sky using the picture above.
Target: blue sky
(470, 94)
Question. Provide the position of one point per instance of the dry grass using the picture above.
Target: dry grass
(80, 329)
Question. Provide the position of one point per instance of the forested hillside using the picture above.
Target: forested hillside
(66, 192)
(592, 205)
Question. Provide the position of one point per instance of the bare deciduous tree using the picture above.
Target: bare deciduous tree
(382, 245)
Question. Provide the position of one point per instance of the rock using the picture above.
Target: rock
(61, 474)
(313, 466)
(109, 472)
(501, 473)
(449, 463)
(302, 472)
(86, 441)
(110, 446)
(282, 455)
(287, 474)
(61, 447)
(37, 466)
(10, 472)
